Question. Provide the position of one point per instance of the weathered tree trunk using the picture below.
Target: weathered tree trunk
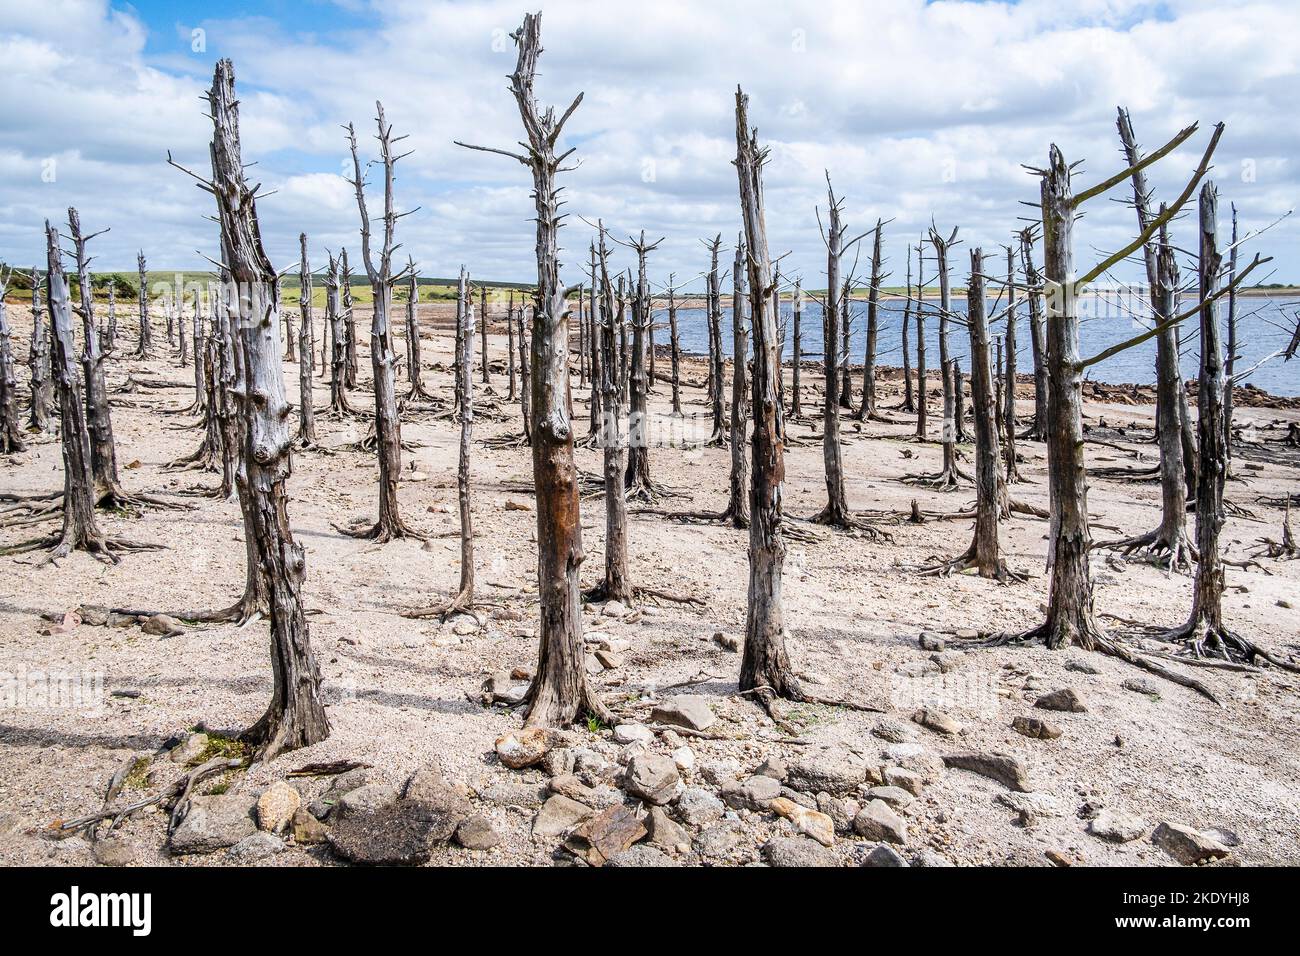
(483, 331)
(953, 428)
(1230, 363)
(922, 387)
(595, 356)
(334, 315)
(909, 396)
(1037, 338)
(624, 355)
(180, 332)
(144, 346)
(388, 434)
(846, 329)
(867, 410)
(796, 401)
(715, 344)
(560, 691)
(525, 375)
(1008, 410)
(675, 345)
(11, 433)
(296, 715)
(349, 322)
(513, 388)
(414, 357)
(110, 331)
(617, 585)
(738, 499)
(200, 371)
(306, 350)
(39, 362)
(836, 511)
(637, 480)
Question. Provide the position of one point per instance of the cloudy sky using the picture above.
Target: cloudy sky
(916, 110)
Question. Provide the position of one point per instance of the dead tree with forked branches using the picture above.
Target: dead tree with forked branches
(560, 691)
(39, 363)
(11, 432)
(713, 299)
(144, 345)
(640, 486)
(379, 269)
(1037, 430)
(306, 351)
(414, 361)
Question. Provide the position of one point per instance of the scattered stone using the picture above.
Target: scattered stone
(937, 721)
(837, 770)
(633, 734)
(113, 850)
(877, 821)
(883, 855)
(640, 855)
(259, 846)
(477, 833)
(924, 764)
(652, 778)
(698, 807)
(686, 710)
(1058, 858)
(756, 793)
(773, 767)
(189, 749)
(1031, 806)
(341, 785)
(797, 852)
(607, 834)
(558, 816)
(1189, 847)
(948, 661)
(841, 811)
(1003, 768)
(1114, 827)
(608, 659)
(904, 779)
(896, 797)
(307, 830)
(728, 642)
(523, 748)
(930, 858)
(893, 731)
(665, 832)
(1082, 666)
(931, 642)
(510, 793)
(614, 609)
(214, 823)
(568, 785)
(1038, 728)
(1066, 699)
(276, 806)
(130, 693)
(161, 625)
(512, 505)
(502, 688)
(401, 833)
(684, 757)
(365, 800)
(810, 823)
(1141, 686)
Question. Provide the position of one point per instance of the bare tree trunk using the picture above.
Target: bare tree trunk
(296, 715)
(953, 429)
(624, 355)
(1037, 339)
(638, 481)
(39, 362)
(737, 503)
(1230, 363)
(414, 358)
(617, 585)
(144, 346)
(200, 371)
(513, 392)
(715, 344)
(1009, 390)
(388, 435)
(846, 328)
(867, 410)
(110, 332)
(180, 331)
(349, 322)
(11, 433)
(922, 396)
(595, 357)
(306, 350)
(289, 335)
(836, 511)
(525, 376)
(560, 691)
(334, 315)
(675, 345)
(909, 396)
(483, 330)
(796, 402)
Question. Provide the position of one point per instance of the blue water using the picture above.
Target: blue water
(1263, 327)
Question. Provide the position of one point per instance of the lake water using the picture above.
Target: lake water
(1263, 327)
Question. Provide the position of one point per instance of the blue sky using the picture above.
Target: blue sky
(916, 110)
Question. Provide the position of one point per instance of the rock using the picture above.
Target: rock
(685, 710)
(567, 785)
(665, 832)
(1141, 686)
(1082, 666)
(937, 721)
(896, 797)
(214, 823)
(558, 816)
(614, 609)
(841, 811)
(894, 731)
(1003, 768)
(1066, 699)
(633, 734)
(509, 793)
(684, 757)
(773, 767)
(876, 821)
(756, 793)
(401, 833)
(113, 850)
(836, 770)
(728, 642)
(364, 800)
(1038, 728)
(931, 642)
(804, 799)
(722, 842)
(1189, 847)
(904, 779)
(1115, 827)
(608, 659)
(652, 778)
(189, 749)
(502, 688)
(1058, 858)
(477, 833)
(1031, 806)
(640, 855)
(307, 830)
(698, 807)
(259, 846)
(523, 748)
(161, 625)
(883, 855)
(429, 786)
(930, 858)
(341, 785)
(797, 852)
(948, 661)
(810, 823)
(276, 806)
(607, 834)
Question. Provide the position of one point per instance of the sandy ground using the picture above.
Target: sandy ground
(398, 687)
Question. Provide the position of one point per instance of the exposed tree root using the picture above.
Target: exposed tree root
(600, 593)
(1155, 547)
(381, 532)
(1120, 473)
(462, 603)
(770, 700)
(833, 517)
(1216, 642)
(247, 610)
(102, 547)
(949, 479)
(967, 561)
(511, 440)
(1285, 549)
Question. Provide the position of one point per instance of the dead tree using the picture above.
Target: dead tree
(306, 350)
(1037, 338)
(1071, 618)
(144, 345)
(349, 321)
(200, 403)
(184, 348)
(483, 330)
(464, 599)
(512, 393)
(737, 501)
(595, 357)
(867, 410)
(1008, 410)
(560, 691)
(335, 316)
(922, 396)
(379, 269)
(637, 481)
(110, 330)
(11, 433)
(909, 396)
(714, 305)
(39, 363)
(983, 554)
(80, 531)
(1230, 362)
(296, 714)
(525, 375)
(414, 361)
(796, 401)
(675, 346)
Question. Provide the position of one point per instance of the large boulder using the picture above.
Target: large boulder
(214, 823)
(836, 770)
(685, 710)
(1003, 768)
(401, 833)
(1189, 847)
(605, 835)
(276, 806)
